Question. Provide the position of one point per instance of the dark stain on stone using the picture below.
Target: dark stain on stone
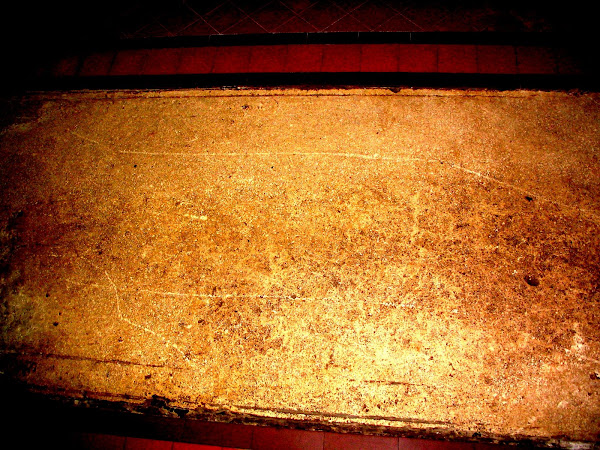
(531, 280)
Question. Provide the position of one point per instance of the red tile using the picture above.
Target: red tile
(457, 59)
(232, 60)
(129, 62)
(93, 441)
(186, 446)
(196, 60)
(569, 62)
(97, 64)
(536, 60)
(304, 58)
(379, 58)
(132, 443)
(268, 58)
(66, 67)
(335, 441)
(496, 59)
(426, 444)
(237, 436)
(220, 434)
(341, 58)
(268, 438)
(417, 58)
(162, 61)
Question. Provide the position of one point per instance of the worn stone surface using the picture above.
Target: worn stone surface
(419, 259)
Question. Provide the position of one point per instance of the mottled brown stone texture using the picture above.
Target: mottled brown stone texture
(420, 260)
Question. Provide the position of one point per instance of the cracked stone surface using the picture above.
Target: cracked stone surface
(422, 260)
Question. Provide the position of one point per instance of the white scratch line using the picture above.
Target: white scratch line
(141, 327)
(276, 297)
(375, 157)
(85, 138)
(581, 357)
(592, 216)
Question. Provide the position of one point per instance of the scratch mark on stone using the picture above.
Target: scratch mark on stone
(375, 157)
(274, 297)
(121, 317)
(85, 138)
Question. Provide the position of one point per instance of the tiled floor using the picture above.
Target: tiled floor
(200, 17)
(266, 438)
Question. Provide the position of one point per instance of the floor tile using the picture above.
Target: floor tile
(273, 16)
(457, 59)
(426, 444)
(132, 443)
(341, 58)
(162, 61)
(93, 441)
(196, 60)
(97, 64)
(304, 58)
(322, 14)
(232, 60)
(379, 58)
(496, 59)
(335, 441)
(66, 67)
(417, 58)
(295, 25)
(345, 24)
(536, 60)
(268, 58)
(129, 62)
(268, 438)
(186, 446)
(221, 434)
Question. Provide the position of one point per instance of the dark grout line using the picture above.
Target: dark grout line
(374, 37)
(324, 80)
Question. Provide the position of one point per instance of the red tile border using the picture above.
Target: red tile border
(457, 59)
(496, 59)
(417, 58)
(97, 64)
(341, 58)
(197, 60)
(232, 59)
(536, 60)
(269, 438)
(219, 434)
(569, 62)
(162, 61)
(185, 446)
(335, 441)
(427, 444)
(95, 441)
(379, 58)
(129, 62)
(304, 58)
(133, 443)
(268, 58)
(66, 67)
